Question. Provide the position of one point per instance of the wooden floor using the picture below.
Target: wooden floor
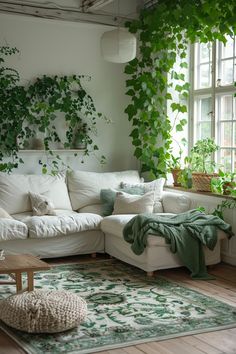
(218, 342)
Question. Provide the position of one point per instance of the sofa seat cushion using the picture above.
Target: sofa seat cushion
(114, 225)
(61, 225)
(11, 229)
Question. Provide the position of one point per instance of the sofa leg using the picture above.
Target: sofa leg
(94, 255)
(150, 274)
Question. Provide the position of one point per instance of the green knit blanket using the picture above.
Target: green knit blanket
(184, 232)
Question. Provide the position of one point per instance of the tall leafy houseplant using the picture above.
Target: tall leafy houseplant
(164, 33)
(27, 111)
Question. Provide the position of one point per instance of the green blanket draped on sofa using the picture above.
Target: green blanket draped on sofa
(185, 232)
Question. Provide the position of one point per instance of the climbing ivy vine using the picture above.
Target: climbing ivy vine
(164, 33)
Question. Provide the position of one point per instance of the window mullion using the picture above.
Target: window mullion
(191, 98)
(213, 78)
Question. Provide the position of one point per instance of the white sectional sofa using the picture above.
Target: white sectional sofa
(78, 226)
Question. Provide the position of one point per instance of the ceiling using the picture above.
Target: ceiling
(108, 12)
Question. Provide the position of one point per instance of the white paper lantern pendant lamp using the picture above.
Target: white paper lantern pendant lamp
(118, 46)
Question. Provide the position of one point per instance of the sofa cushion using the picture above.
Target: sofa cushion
(93, 208)
(84, 187)
(11, 229)
(108, 196)
(156, 186)
(114, 225)
(4, 214)
(14, 191)
(61, 225)
(133, 204)
(175, 203)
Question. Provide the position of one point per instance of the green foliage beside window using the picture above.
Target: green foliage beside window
(164, 33)
(27, 111)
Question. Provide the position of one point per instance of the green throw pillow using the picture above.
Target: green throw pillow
(108, 196)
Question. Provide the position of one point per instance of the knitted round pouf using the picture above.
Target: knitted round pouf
(43, 311)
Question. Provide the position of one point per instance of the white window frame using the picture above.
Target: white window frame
(214, 91)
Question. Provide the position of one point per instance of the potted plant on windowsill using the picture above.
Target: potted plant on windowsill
(225, 183)
(175, 168)
(202, 164)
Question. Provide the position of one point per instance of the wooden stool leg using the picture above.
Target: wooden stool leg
(94, 255)
(150, 274)
(30, 276)
(18, 280)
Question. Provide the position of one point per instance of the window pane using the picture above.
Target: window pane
(226, 134)
(204, 130)
(205, 113)
(228, 49)
(205, 52)
(234, 134)
(205, 75)
(203, 61)
(234, 166)
(226, 108)
(227, 72)
(226, 159)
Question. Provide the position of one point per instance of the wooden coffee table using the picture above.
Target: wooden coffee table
(15, 265)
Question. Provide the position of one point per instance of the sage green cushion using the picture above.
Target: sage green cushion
(107, 197)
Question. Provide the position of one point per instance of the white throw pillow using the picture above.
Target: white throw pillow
(41, 205)
(133, 204)
(84, 187)
(4, 214)
(156, 186)
(175, 203)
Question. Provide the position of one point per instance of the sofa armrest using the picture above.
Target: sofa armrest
(175, 203)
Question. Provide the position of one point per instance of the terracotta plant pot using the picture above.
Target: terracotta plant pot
(175, 173)
(226, 185)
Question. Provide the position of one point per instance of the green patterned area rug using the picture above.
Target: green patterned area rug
(124, 308)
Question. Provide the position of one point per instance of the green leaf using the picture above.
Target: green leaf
(179, 128)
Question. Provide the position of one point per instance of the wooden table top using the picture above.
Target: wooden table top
(23, 263)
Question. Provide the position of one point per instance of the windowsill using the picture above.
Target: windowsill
(197, 192)
(54, 150)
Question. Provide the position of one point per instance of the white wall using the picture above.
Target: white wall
(58, 48)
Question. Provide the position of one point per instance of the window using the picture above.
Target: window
(212, 101)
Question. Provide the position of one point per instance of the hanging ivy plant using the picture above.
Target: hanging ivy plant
(27, 112)
(164, 33)
(14, 110)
